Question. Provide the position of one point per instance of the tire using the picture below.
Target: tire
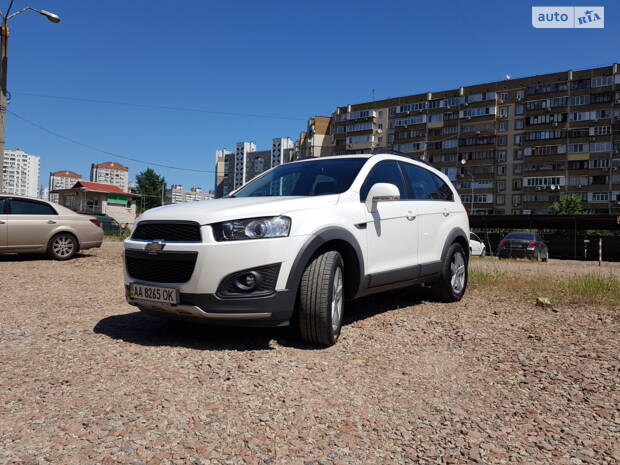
(321, 300)
(62, 246)
(454, 273)
(545, 257)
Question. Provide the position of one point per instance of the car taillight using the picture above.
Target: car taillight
(96, 222)
(502, 242)
(532, 243)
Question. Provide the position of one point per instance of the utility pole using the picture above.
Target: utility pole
(4, 54)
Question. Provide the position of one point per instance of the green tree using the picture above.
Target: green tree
(150, 185)
(568, 205)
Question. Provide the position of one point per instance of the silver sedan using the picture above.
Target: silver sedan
(35, 226)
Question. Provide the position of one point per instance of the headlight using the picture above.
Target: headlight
(252, 228)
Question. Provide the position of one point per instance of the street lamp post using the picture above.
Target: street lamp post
(4, 53)
(471, 208)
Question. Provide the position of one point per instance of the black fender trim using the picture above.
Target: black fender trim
(310, 248)
(456, 232)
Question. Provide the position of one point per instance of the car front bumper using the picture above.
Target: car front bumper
(272, 310)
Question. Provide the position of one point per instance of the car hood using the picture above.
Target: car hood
(233, 208)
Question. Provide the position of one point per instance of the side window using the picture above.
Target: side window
(27, 207)
(424, 185)
(2, 206)
(385, 171)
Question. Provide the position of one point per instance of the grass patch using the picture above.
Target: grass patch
(592, 288)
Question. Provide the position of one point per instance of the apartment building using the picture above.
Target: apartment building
(110, 172)
(511, 147)
(20, 172)
(178, 194)
(316, 140)
(64, 179)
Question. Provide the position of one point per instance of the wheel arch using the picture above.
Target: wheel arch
(340, 240)
(455, 235)
(64, 231)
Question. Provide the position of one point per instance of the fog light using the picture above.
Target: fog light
(247, 281)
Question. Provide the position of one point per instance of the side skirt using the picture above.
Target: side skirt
(402, 277)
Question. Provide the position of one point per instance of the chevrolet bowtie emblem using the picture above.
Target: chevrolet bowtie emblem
(154, 247)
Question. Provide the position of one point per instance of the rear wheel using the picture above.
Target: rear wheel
(453, 281)
(62, 246)
(321, 300)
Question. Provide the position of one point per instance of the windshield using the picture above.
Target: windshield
(316, 177)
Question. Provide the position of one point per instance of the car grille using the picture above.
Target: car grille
(164, 267)
(177, 231)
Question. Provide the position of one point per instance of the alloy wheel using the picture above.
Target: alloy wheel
(457, 271)
(337, 300)
(63, 246)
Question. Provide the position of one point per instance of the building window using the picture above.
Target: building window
(503, 112)
(518, 139)
(520, 94)
(503, 96)
(516, 200)
(518, 154)
(501, 170)
(503, 126)
(519, 124)
(500, 185)
(519, 109)
(501, 156)
(502, 140)
(517, 169)
(499, 199)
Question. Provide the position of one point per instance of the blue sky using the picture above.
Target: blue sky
(283, 59)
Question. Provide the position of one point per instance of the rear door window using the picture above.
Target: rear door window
(425, 185)
(29, 207)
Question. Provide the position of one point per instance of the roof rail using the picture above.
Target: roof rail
(402, 154)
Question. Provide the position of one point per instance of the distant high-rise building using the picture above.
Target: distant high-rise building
(279, 147)
(242, 149)
(21, 173)
(223, 158)
(178, 194)
(234, 169)
(62, 180)
(110, 172)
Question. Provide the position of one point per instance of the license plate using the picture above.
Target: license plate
(162, 295)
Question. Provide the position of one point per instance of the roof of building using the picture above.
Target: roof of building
(85, 186)
(111, 165)
(67, 174)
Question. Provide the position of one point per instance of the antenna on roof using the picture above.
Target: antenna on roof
(373, 94)
(508, 76)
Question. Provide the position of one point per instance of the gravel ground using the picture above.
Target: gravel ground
(86, 379)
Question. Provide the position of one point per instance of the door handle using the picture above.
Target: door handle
(51, 222)
(410, 216)
(2, 222)
(446, 212)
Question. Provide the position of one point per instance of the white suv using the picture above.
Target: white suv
(295, 243)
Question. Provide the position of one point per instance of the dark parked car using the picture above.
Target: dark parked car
(523, 244)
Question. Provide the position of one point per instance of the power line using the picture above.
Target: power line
(106, 152)
(158, 107)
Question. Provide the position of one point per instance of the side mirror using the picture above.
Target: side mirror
(381, 192)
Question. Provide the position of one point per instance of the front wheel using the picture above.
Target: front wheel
(62, 246)
(321, 300)
(453, 281)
